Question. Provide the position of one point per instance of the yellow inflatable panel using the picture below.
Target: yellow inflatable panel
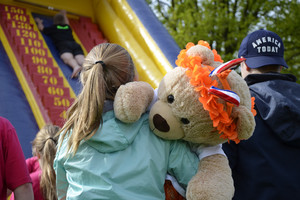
(117, 32)
(141, 35)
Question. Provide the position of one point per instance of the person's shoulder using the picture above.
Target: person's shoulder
(33, 163)
(4, 121)
(36, 175)
(32, 159)
(5, 125)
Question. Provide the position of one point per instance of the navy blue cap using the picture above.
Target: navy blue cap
(262, 48)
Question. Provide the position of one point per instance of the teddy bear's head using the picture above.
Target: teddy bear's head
(189, 109)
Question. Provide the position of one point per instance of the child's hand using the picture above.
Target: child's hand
(39, 23)
(38, 20)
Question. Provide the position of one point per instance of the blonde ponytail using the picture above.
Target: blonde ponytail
(106, 67)
(45, 144)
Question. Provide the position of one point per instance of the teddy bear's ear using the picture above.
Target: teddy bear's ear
(203, 52)
(245, 122)
(132, 100)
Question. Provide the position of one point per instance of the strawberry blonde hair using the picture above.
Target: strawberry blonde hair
(106, 67)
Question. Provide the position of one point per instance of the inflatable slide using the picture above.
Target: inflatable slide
(36, 87)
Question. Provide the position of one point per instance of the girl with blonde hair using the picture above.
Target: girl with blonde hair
(100, 157)
(44, 145)
(40, 166)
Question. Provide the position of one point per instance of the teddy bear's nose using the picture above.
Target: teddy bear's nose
(160, 123)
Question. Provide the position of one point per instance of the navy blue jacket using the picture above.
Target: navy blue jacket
(267, 166)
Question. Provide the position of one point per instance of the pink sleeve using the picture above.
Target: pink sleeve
(16, 170)
(29, 163)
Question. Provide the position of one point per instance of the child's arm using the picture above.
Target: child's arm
(39, 23)
(24, 192)
(183, 163)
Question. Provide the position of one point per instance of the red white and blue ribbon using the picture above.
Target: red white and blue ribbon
(226, 95)
(226, 66)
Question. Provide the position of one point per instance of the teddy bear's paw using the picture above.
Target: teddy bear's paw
(245, 122)
(208, 193)
(209, 190)
(213, 180)
(132, 100)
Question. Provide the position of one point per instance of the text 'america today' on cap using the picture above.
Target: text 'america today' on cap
(262, 48)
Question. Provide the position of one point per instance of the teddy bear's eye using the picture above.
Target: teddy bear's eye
(184, 120)
(170, 98)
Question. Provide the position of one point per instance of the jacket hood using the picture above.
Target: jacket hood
(277, 101)
(114, 135)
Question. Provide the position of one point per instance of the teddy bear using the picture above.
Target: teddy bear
(201, 101)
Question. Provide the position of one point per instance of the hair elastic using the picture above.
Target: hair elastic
(101, 62)
(50, 139)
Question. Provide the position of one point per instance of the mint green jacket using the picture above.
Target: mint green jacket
(122, 161)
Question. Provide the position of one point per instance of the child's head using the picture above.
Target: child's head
(44, 147)
(106, 67)
(45, 140)
(59, 19)
(111, 64)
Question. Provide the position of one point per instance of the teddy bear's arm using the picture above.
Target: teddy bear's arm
(132, 100)
(245, 122)
(213, 180)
